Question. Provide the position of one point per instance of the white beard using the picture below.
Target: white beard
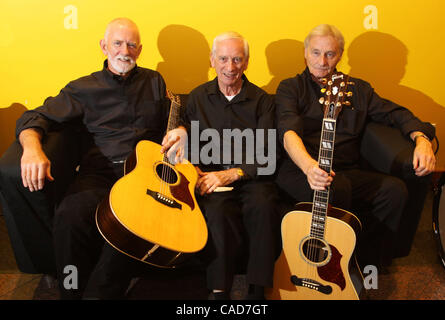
(122, 64)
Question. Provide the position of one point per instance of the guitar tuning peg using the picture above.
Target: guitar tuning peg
(349, 94)
(350, 83)
(328, 93)
(326, 103)
(323, 90)
(338, 104)
(321, 100)
(347, 103)
(323, 80)
(342, 84)
(330, 82)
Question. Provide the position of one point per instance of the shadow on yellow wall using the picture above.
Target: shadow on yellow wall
(376, 57)
(381, 59)
(186, 58)
(8, 117)
(285, 58)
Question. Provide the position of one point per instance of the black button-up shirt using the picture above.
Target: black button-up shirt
(298, 109)
(252, 108)
(116, 112)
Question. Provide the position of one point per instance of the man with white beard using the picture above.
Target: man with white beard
(117, 107)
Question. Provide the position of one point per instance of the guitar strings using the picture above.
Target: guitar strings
(168, 173)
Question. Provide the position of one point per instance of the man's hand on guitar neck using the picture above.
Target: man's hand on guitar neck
(317, 178)
(174, 143)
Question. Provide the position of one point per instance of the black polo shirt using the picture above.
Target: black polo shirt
(251, 108)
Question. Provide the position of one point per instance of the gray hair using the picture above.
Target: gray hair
(326, 30)
(230, 35)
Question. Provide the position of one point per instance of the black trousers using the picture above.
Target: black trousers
(243, 227)
(102, 271)
(28, 216)
(377, 199)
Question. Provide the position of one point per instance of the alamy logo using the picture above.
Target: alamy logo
(70, 21)
(370, 280)
(371, 20)
(71, 280)
(249, 143)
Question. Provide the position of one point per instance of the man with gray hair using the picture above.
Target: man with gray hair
(300, 118)
(239, 204)
(116, 108)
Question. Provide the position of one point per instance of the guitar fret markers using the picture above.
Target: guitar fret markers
(326, 145)
(329, 124)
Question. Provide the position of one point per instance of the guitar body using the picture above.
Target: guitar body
(317, 270)
(151, 213)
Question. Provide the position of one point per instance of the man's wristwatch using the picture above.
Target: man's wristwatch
(421, 135)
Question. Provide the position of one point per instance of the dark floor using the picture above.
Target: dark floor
(419, 276)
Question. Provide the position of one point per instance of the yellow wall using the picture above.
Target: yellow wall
(396, 45)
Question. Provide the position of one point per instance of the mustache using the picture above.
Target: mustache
(124, 58)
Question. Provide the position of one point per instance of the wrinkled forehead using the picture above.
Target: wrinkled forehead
(323, 43)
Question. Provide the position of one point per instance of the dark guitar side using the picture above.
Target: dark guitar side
(120, 237)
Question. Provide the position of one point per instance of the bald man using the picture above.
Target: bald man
(117, 106)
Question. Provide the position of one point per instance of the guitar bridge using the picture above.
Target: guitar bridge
(172, 203)
(310, 284)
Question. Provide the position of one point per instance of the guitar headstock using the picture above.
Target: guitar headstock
(174, 98)
(335, 92)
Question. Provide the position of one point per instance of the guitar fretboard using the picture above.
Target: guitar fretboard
(321, 198)
(173, 118)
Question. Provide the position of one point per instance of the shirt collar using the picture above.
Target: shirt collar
(245, 93)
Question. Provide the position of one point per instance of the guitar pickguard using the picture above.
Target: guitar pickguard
(331, 271)
(181, 191)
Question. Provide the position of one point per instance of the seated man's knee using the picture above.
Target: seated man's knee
(10, 173)
(263, 195)
(76, 210)
(395, 189)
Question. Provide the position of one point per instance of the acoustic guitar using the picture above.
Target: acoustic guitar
(319, 240)
(151, 213)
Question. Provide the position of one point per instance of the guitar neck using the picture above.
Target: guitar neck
(173, 118)
(321, 197)
(174, 115)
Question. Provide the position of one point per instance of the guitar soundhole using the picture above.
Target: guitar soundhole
(315, 251)
(166, 173)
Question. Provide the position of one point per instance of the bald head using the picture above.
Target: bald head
(120, 23)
